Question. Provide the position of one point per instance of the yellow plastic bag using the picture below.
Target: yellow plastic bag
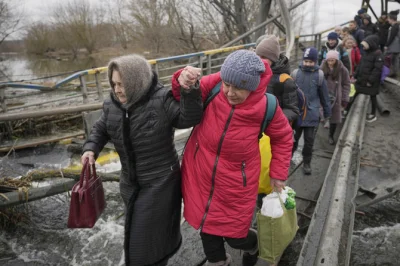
(265, 151)
(352, 90)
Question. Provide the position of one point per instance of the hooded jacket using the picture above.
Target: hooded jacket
(370, 28)
(370, 68)
(343, 55)
(221, 162)
(142, 131)
(285, 91)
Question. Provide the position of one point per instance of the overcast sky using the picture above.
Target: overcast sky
(331, 12)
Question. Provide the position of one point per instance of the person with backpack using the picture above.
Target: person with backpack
(338, 82)
(334, 44)
(311, 80)
(281, 85)
(221, 160)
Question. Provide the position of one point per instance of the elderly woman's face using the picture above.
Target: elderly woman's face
(118, 87)
(235, 95)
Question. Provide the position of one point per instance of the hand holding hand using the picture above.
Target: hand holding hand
(88, 154)
(277, 185)
(189, 76)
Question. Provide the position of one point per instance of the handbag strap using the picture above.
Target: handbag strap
(85, 174)
(282, 204)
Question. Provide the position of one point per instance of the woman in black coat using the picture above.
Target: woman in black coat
(139, 118)
(368, 73)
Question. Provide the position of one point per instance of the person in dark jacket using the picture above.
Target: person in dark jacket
(139, 118)
(286, 93)
(368, 73)
(334, 44)
(338, 82)
(357, 33)
(359, 17)
(307, 77)
(393, 43)
(368, 27)
(383, 26)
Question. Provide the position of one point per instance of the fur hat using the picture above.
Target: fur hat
(332, 54)
(136, 75)
(269, 48)
(242, 69)
(365, 45)
(310, 54)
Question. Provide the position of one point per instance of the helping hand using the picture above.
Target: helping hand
(88, 154)
(277, 185)
(189, 76)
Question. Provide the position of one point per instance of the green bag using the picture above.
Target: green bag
(275, 234)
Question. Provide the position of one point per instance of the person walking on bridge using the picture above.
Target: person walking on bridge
(368, 74)
(338, 82)
(221, 161)
(139, 118)
(311, 80)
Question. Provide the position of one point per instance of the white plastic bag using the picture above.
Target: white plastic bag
(271, 206)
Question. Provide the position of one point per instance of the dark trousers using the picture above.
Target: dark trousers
(309, 137)
(332, 129)
(214, 245)
(374, 103)
(394, 64)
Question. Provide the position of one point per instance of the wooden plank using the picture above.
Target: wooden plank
(40, 140)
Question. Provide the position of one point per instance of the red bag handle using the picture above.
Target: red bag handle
(85, 174)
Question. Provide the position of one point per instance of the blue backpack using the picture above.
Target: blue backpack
(270, 108)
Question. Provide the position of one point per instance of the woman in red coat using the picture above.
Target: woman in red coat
(221, 162)
(355, 56)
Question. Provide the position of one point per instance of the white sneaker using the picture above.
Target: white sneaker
(371, 118)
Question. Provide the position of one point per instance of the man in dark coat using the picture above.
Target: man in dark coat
(393, 43)
(359, 17)
(368, 73)
(139, 118)
(383, 26)
(284, 90)
(368, 27)
(358, 34)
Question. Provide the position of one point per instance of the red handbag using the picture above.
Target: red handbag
(87, 199)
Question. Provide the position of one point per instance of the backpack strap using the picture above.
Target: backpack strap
(321, 77)
(212, 94)
(270, 110)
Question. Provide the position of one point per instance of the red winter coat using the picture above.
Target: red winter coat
(355, 59)
(221, 162)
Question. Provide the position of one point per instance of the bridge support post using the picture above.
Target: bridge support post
(208, 64)
(201, 65)
(83, 89)
(98, 86)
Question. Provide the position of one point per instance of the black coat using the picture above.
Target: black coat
(370, 68)
(383, 31)
(150, 181)
(370, 28)
(285, 91)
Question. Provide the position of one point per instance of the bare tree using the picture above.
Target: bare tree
(76, 19)
(120, 21)
(38, 38)
(265, 7)
(10, 22)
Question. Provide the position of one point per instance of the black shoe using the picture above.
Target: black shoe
(331, 140)
(307, 168)
(249, 260)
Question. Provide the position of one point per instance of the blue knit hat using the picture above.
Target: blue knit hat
(361, 11)
(333, 36)
(310, 54)
(242, 69)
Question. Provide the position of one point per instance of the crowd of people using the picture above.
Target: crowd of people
(220, 172)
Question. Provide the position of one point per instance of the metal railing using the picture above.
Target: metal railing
(209, 61)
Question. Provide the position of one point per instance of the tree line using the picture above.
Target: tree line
(160, 27)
